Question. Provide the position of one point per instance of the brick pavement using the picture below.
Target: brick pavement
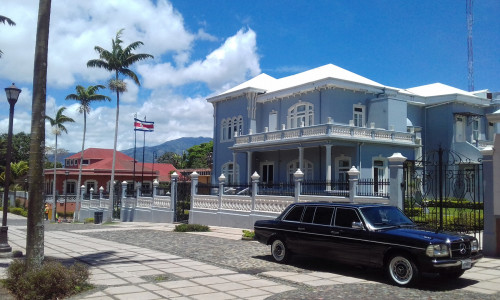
(149, 261)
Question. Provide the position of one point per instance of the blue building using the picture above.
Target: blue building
(328, 119)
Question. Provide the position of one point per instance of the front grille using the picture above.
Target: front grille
(460, 249)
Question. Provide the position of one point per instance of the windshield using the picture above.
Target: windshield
(385, 216)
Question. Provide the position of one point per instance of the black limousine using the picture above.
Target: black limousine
(370, 235)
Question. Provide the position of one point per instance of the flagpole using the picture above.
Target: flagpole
(135, 144)
(143, 148)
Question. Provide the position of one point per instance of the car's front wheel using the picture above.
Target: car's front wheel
(279, 251)
(402, 270)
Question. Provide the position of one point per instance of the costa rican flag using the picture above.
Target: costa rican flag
(143, 125)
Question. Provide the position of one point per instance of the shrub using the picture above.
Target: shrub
(248, 235)
(52, 281)
(18, 211)
(88, 220)
(191, 227)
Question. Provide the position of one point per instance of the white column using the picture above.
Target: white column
(328, 168)
(235, 180)
(249, 166)
(301, 158)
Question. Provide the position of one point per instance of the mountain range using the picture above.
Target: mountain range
(177, 146)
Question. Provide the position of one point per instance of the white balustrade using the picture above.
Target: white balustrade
(162, 201)
(205, 201)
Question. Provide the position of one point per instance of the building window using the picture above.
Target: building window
(230, 173)
(342, 165)
(379, 175)
(301, 114)
(230, 126)
(491, 131)
(359, 115)
(459, 129)
(70, 188)
(475, 129)
(89, 185)
(267, 172)
(307, 169)
(273, 121)
(85, 162)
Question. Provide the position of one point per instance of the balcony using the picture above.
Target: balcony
(327, 131)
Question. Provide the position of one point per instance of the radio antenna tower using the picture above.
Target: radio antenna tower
(470, 53)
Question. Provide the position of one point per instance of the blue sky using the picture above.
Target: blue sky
(203, 47)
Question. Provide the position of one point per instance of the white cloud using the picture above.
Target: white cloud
(231, 63)
(77, 26)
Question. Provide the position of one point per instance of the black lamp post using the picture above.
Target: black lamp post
(66, 195)
(12, 96)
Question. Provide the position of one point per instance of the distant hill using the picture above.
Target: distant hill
(176, 146)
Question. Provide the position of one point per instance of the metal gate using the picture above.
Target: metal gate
(443, 191)
(183, 201)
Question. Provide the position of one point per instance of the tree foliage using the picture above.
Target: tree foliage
(196, 157)
(20, 148)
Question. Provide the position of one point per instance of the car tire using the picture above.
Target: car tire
(449, 275)
(402, 270)
(279, 251)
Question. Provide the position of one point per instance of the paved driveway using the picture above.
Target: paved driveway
(149, 261)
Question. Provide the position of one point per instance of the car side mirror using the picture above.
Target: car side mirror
(357, 225)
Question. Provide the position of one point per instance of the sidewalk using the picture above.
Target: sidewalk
(121, 271)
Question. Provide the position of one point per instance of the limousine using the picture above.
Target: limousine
(369, 235)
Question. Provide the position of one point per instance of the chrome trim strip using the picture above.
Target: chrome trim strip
(343, 237)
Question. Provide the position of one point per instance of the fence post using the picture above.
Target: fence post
(298, 176)
(173, 194)
(155, 186)
(91, 193)
(194, 183)
(396, 184)
(491, 175)
(101, 190)
(255, 187)
(353, 182)
(222, 180)
(138, 192)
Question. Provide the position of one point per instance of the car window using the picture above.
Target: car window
(345, 217)
(294, 214)
(308, 214)
(323, 215)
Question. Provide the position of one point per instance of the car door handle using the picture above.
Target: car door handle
(335, 232)
(301, 228)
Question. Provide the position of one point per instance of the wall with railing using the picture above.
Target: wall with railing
(235, 206)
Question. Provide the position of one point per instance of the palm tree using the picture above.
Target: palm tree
(118, 60)
(85, 96)
(8, 21)
(57, 124)
(35, 231)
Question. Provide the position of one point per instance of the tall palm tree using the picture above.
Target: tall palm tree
(118, 60)
(58, 127)
(34, 226)
(85, 96)
(8, 21)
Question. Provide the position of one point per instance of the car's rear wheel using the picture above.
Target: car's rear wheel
(279, 251)
(402, 270)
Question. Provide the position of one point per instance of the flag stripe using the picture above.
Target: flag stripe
(143, 125)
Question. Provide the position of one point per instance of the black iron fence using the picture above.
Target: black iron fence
(325, 188)
(277, 189)
(372, 187)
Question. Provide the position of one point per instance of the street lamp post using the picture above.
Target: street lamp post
(66, 196)
(12, 93)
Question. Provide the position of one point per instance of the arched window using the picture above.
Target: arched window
(380, 173)
(307, 169)
(301, 114)
(223, 129)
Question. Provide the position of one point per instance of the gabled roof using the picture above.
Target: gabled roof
(164, 170)
(98, 153)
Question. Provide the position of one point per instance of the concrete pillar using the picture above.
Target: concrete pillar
(249, 165)
(328, 167)
(101, 190)
(91, 193)
(194, 183)
(396, 179)
(222, 180)
(155, 187)
(353, 182)
(298, 176)
(124, 191)
(235, 179)
(301, 158)
(173, 193)
(139, 190)
(255, 188)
